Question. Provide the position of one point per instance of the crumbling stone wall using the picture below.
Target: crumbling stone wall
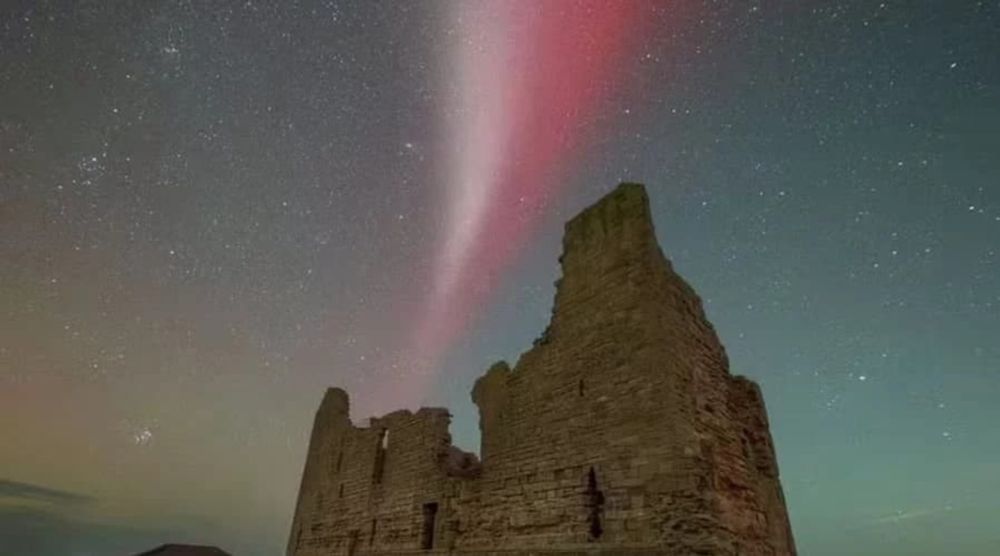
(620, 431)
(363, 488)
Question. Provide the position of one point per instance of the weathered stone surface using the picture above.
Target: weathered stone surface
(620, 432)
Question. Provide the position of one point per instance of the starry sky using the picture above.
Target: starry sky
(211, 211)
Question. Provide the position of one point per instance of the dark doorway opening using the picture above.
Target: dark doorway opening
(352, 543)
(427, 535)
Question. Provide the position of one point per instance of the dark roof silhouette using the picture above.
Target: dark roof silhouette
(184, 550)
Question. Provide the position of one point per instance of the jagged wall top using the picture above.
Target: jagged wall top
(614, 237)
(622, 215)
(335, 402)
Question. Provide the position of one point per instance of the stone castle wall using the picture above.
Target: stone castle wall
(621, 431)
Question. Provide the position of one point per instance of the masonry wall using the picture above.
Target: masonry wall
(357, 497)
(620, 430)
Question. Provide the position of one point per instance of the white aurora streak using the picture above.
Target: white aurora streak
(479, 132)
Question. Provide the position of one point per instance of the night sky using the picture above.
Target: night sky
(212, 211)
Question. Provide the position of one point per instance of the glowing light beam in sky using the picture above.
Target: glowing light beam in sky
(528, 77)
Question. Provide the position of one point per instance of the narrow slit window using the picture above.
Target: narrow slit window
(380, 449)
(595, 507)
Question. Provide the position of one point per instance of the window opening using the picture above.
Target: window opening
(380, 448)
(595, 506)
(427, 535)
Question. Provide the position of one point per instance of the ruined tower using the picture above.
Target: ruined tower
(620, 431)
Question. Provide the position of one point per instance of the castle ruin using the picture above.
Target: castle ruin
(620, 431)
